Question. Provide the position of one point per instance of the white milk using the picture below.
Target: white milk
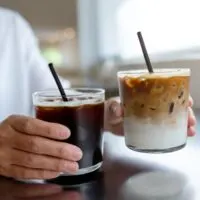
(161, 136)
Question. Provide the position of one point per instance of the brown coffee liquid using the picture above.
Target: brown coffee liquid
(86, 125)
(154, 96)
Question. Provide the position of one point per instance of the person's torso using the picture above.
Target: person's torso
(14, 84)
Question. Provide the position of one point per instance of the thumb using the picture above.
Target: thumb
(114, 112)
(115, 109)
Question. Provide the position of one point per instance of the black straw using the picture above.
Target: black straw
(144, 50)
(58, 83)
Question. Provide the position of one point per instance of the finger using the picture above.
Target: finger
(115, 122)
(191, 102)
(191, 131)
(117, 129)
(191, 117)
(117, 114)
(44, 146)
(115, 109)
(38, 127)
(35, 161)
(18, 172)
(35, 190)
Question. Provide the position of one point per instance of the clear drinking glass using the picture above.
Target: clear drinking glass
(155, 108)
(83, 114)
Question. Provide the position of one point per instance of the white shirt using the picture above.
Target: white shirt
(22, 68)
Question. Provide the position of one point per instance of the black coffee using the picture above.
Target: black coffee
(86, 125)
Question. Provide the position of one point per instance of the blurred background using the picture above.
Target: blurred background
(90, 40)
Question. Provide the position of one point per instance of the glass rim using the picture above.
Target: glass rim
(157, 71)
(54, 93)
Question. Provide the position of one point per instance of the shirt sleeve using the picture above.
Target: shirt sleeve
(39, 73)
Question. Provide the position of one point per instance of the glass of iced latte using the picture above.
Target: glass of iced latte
(155, 108)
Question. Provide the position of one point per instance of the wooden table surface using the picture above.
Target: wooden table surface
(125, 175)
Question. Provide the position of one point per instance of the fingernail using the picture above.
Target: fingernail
(77, 154)
(71, 167)
(64, 133)
(116, 110)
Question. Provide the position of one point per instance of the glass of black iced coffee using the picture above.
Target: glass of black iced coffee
(83, 114)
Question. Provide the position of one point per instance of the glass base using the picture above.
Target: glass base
(156, 150)
(84, 170)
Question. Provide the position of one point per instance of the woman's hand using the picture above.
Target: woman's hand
(32, 149)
